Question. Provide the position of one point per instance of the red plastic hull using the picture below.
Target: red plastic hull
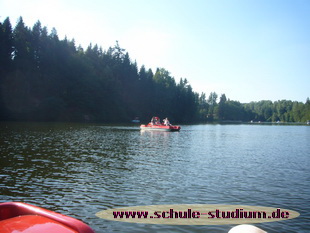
(21, 217)
(168, 128)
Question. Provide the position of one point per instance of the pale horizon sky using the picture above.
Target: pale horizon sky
(249, 50)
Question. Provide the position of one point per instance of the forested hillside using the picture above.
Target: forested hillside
(44, 78)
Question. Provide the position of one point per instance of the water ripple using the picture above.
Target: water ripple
(79, 170)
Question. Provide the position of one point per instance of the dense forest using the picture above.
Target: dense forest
(44, 78)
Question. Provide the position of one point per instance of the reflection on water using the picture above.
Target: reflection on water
(80, 169)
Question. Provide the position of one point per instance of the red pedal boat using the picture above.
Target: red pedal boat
(21, 217)
(155, 124)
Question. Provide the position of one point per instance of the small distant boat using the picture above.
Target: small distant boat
(22, 217)
(156, 125)
(136, 120)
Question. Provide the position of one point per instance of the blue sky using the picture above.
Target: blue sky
(250, 50)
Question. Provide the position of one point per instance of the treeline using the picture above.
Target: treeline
(43, 78)
(264, 111)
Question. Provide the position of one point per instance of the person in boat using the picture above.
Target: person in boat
(153, 121)
(166, 121)
(157, 121)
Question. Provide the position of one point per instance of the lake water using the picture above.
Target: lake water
(81, 169)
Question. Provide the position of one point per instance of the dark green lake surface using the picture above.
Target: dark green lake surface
(81, 169)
